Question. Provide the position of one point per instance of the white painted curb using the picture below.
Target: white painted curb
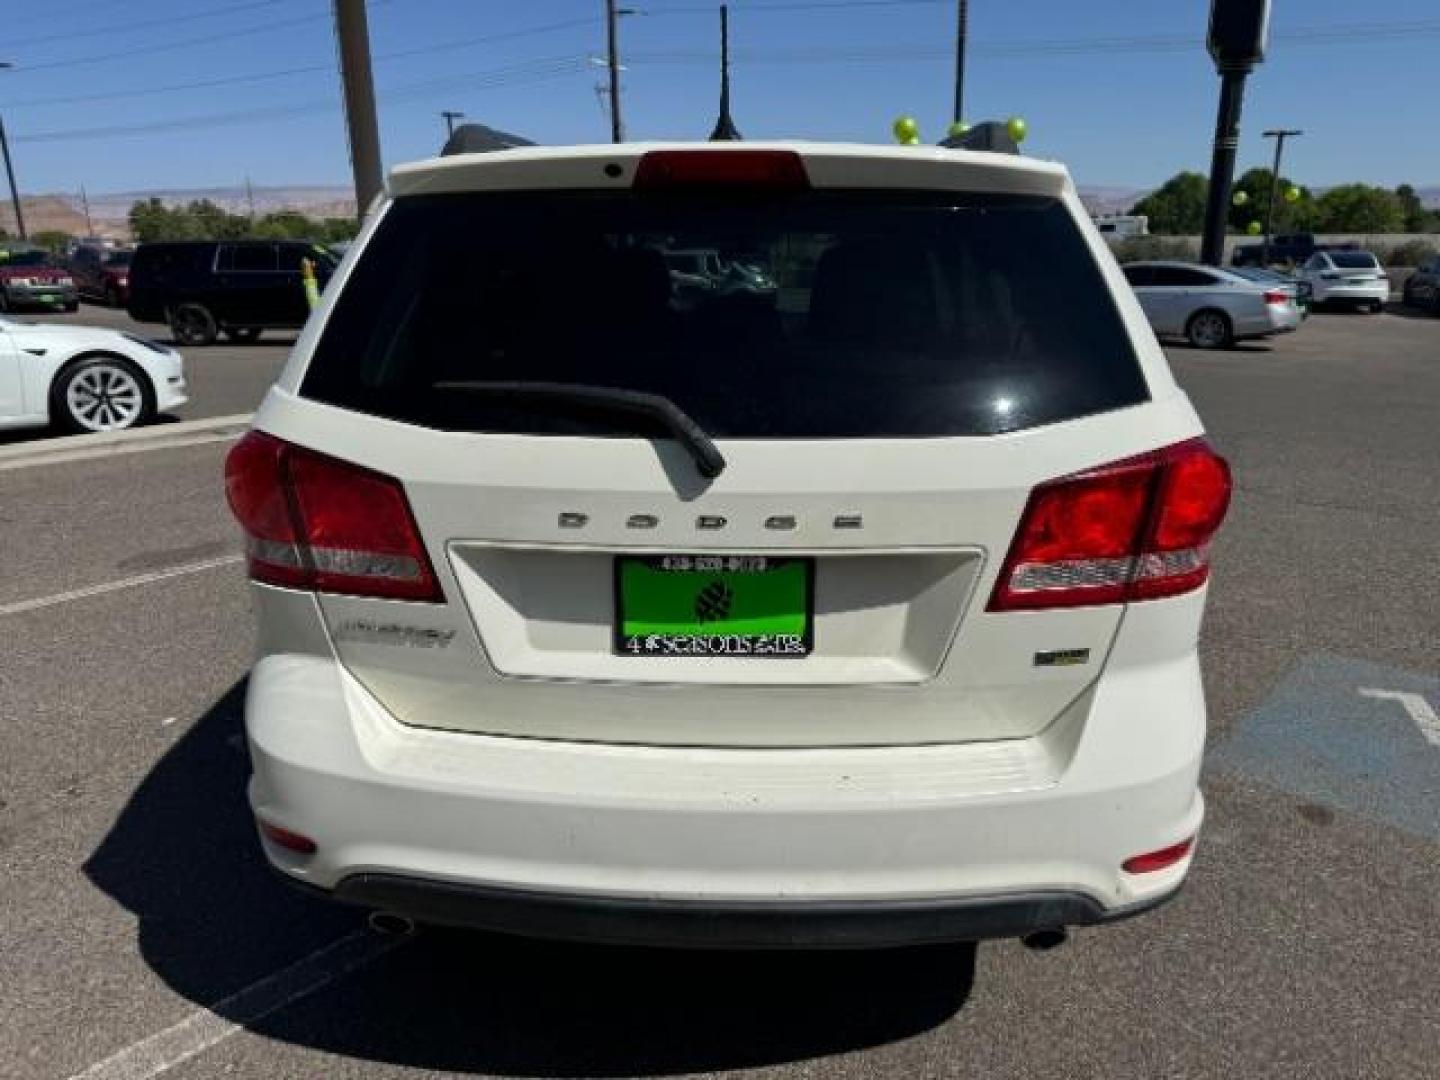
(137, 440)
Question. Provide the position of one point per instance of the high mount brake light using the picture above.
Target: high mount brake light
(1137, 529)
(769, 170)
(315, 522)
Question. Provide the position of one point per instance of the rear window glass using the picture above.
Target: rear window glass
(1353, 260)
(822, 314)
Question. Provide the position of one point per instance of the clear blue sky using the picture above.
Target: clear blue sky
(1359, 78)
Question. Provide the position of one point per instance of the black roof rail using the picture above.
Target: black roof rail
(479, 139)
(991, 135)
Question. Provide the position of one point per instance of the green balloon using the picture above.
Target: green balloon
(1240, 198)
(1017, 128)
(958, 128)
(1253, 228)
(1292, 194)
(907, 130)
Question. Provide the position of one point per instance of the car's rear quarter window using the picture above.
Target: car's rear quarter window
(818, 315)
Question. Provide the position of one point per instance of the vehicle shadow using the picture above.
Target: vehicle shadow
(212, 919)
(1395, 307)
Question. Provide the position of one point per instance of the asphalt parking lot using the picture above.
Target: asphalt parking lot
(143, 936)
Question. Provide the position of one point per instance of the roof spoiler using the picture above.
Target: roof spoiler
(479, 139)
(991, 135)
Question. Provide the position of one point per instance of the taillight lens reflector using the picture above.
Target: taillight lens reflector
(1134, 530)
(315, 522)
(1158, 860)
(774, 170)
(290, 841)
(1277, 296)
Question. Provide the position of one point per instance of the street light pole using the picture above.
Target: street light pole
(450, 116)
(962, 22)
(1279, 135)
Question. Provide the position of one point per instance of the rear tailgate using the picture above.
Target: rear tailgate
(886, 404)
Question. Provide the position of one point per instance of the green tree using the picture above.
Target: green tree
(1177, 207)
(1417, 218)
(1255, 183)
(1359, 208)
(52, 240)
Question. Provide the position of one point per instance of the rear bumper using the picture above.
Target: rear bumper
(694, 845)
(699, 924)
(1379, 290)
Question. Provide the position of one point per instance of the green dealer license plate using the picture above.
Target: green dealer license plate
(714, 605)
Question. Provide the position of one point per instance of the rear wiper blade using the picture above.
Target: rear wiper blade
(708, 460)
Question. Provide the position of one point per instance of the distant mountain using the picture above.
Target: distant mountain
(108, 212)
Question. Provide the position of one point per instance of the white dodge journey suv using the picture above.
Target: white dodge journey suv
(856, 610)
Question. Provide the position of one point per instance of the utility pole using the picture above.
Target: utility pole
(1279, 135)
(612, 61)
(962, 29)
(450, 116)
(85, 202)
(10, 175)
(250, 199)
(10, 171)
(353, 35)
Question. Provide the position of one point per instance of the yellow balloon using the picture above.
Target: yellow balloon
(1253, 228)
(958, 128)
(1240, 198)
(906, 129)
(1017, 128)
(1292, 194)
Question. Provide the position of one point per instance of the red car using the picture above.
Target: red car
(30, 277)
(102, 273)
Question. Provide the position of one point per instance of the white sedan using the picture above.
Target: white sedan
(1347, 277)
(84, 378)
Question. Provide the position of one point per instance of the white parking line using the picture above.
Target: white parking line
(21, 606)
(203, 1028)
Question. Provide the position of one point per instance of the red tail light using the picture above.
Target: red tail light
(1158, 860)
(775, 170)
(290, 841)
(314, 522)
(1277, 296)
(1137, 529)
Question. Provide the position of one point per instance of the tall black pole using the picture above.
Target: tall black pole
(1222, 162)
(725, 130)
(354, 37)
(612, 59)
(10, 175)
(1279, 135)
(450, 116)
(962, 22)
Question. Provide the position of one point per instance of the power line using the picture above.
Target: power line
(310, 69)
(142, 24)
(514, 75)
(790, 5)
(183, 43)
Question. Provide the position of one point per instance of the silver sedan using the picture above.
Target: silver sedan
(1210, 307)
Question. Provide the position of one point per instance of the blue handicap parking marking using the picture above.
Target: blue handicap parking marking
(1349, 734)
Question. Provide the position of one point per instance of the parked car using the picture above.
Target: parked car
(1300, 290)
(30, 278)
(84, 378)
(1292, 248)
(102, 273)
(1347, 277)
(203, 288)
(1210, 307)
(1422, 288)
(864, 618)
